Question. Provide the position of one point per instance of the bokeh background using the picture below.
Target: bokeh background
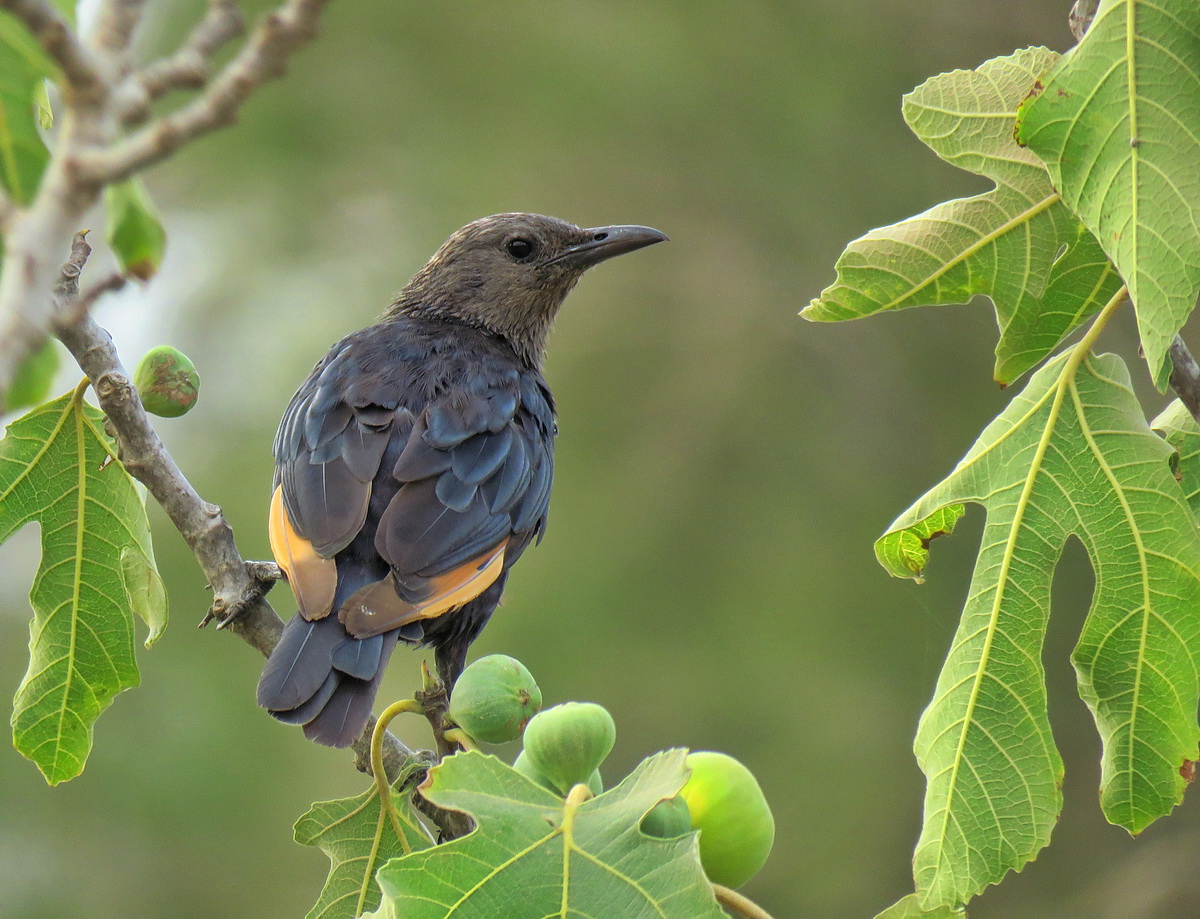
(723, 466)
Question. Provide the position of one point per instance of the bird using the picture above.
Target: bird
(413, 466)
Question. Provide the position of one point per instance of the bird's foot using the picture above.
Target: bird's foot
(261, 578)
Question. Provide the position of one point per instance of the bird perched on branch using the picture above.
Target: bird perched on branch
(413, 466)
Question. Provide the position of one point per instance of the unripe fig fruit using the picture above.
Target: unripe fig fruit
(167, 381)
(567, 743)
(735, 823)
(668, 819)
(494, 699)
(595, 783)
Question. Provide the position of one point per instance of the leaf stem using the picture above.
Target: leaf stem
(377, 736)
(461, 737)
(736, 903)
(1093, 332)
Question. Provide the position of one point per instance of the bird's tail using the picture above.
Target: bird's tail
(321, 677)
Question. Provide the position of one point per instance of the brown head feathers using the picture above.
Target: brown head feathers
(508, 274)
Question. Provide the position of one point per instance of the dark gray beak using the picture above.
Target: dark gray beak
(605, 242)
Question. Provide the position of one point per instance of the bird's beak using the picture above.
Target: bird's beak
(605, 242)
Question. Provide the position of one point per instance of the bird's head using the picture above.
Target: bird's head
(508, 274)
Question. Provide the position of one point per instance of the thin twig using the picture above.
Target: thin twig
(189, 67)
(239, 587)
(116, 21)
(1079, 20)
(8, 211)
(261, 59)
(1185, 376)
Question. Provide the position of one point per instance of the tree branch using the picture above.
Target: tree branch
(239, 587)
(1079, 20)
(1185, 377)
(116, 21)
(88, 151)
(188, 68)
(263, 58)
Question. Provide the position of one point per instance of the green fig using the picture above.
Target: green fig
(167, 381)
(734, 820)
(494, 699)
(668, 819)
(567, 743)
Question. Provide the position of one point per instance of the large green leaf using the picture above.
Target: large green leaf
(56, 469)
(23, 67)
(359, 834)
(1017, 243)
(533, 856)
(1071, 455)
(1118, 125)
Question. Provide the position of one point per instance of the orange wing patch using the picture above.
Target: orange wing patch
(313, 578)
(377, 608)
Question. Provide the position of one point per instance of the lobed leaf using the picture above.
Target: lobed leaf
(359, 834)
(533, 855)
(56, 468)
(1018, 244)
(1118, 125)
(1071, 455)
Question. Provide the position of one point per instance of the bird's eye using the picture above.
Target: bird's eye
(519, 248)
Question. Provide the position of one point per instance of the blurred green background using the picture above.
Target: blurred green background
(723, 466)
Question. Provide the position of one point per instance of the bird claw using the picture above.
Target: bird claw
(263, 576)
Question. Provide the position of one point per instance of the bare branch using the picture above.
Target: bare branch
(188, 68)
(263, 58)
(116, 21)
(143, 455)
(1079, 20)
(84, 81)
(8, 211)
(1185, 377)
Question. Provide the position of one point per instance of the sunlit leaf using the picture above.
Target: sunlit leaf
(359, 835)
(1071, 455)
(533, 855)
(1017, 243)
(1118, 125)
(56, 469)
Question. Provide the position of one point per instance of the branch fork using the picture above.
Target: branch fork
(104, 93)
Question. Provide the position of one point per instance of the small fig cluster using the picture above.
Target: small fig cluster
(496, 701)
